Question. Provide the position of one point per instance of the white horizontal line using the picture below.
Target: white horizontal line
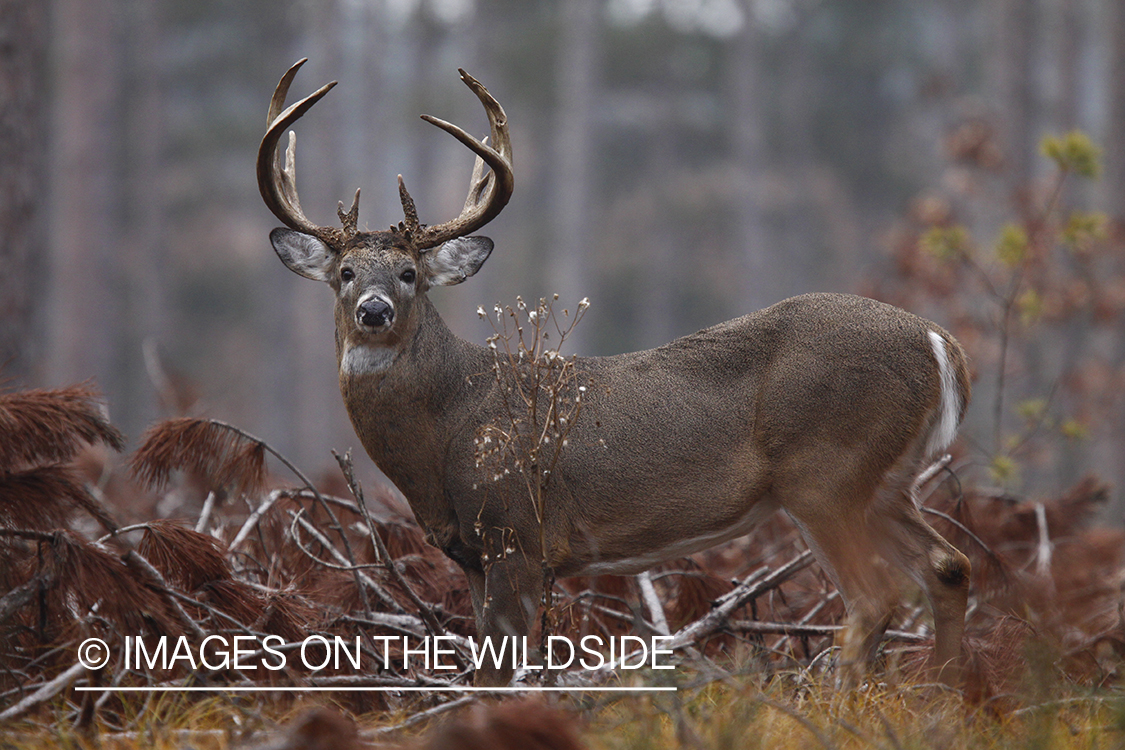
(371, 689)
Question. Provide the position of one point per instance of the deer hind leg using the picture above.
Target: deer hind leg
(938, 567)
(902, 537)
(832, 517)
(855, 530)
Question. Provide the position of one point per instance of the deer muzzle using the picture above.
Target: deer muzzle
(374, 314)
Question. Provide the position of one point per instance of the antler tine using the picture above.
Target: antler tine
(277, 184)
(409, 211)
(350, 219)
(478, 182)
(487, 195)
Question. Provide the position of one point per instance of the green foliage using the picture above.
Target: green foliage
(1011, 247)
(1073, 152)
(1049, 281)
(1032, 409)
(1084, 229)
(947, 243)
(1004, 469)
(1030, 306)
(1074, 429)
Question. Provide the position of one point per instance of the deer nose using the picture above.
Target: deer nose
(374, 313)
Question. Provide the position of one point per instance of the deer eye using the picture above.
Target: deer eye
(408, 276)
(347, 274)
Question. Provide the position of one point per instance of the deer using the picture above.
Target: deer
(824, 406)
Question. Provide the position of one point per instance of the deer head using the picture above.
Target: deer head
(378, 276)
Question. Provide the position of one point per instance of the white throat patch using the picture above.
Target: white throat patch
(360, 359)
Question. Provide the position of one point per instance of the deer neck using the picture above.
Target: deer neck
(407, 408)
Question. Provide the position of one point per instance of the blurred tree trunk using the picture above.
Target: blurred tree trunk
(85, 289)
(311, 390)
(575, 144)
(748, 137)
(1015, 85)
(23, 187)
(658, 242)
(1114, 185)
(1070, 46)
(142, 313)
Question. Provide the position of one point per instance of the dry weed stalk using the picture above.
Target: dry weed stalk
(541, 390)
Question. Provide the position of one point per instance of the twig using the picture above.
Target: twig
(138, 564)
(423, 716)
(315, 492)
(405, 624)
(45, 693)
(363, 578)
(254, 518)
(980, 542)
(1043, 550)
(123, 530)
(791, 629)
(1008, 304)
(931, 471)
(381, 680)
(652, 602)
(22, 594)
(715, 619)
(425, 611)
(205, 513)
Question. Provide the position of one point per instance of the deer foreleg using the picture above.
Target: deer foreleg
(506, 598)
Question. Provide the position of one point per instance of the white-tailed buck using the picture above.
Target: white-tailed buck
(826, 406)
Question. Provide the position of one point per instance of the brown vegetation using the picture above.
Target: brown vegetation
(294, 562)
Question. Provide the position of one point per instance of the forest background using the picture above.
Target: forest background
(678, 162)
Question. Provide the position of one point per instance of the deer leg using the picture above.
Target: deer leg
(509, 593)
(840, 538)
(941, 570)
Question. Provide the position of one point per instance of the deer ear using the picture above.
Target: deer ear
(457, 260)
(303, 253)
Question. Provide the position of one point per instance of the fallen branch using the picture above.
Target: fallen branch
(45, 693)
(652, 602)
(254, 518)
(314, 532)
(743, 593)
(22, 594)
(784, 628)
(423, 716)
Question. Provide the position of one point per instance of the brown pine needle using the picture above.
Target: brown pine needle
(92, 577)
(186, 558)
(44, 498)
(49, 426)
(221, 455)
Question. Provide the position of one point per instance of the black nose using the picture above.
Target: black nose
(375, 313)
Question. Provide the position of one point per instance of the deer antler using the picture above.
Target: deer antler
(278, 185)
(488, 193)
